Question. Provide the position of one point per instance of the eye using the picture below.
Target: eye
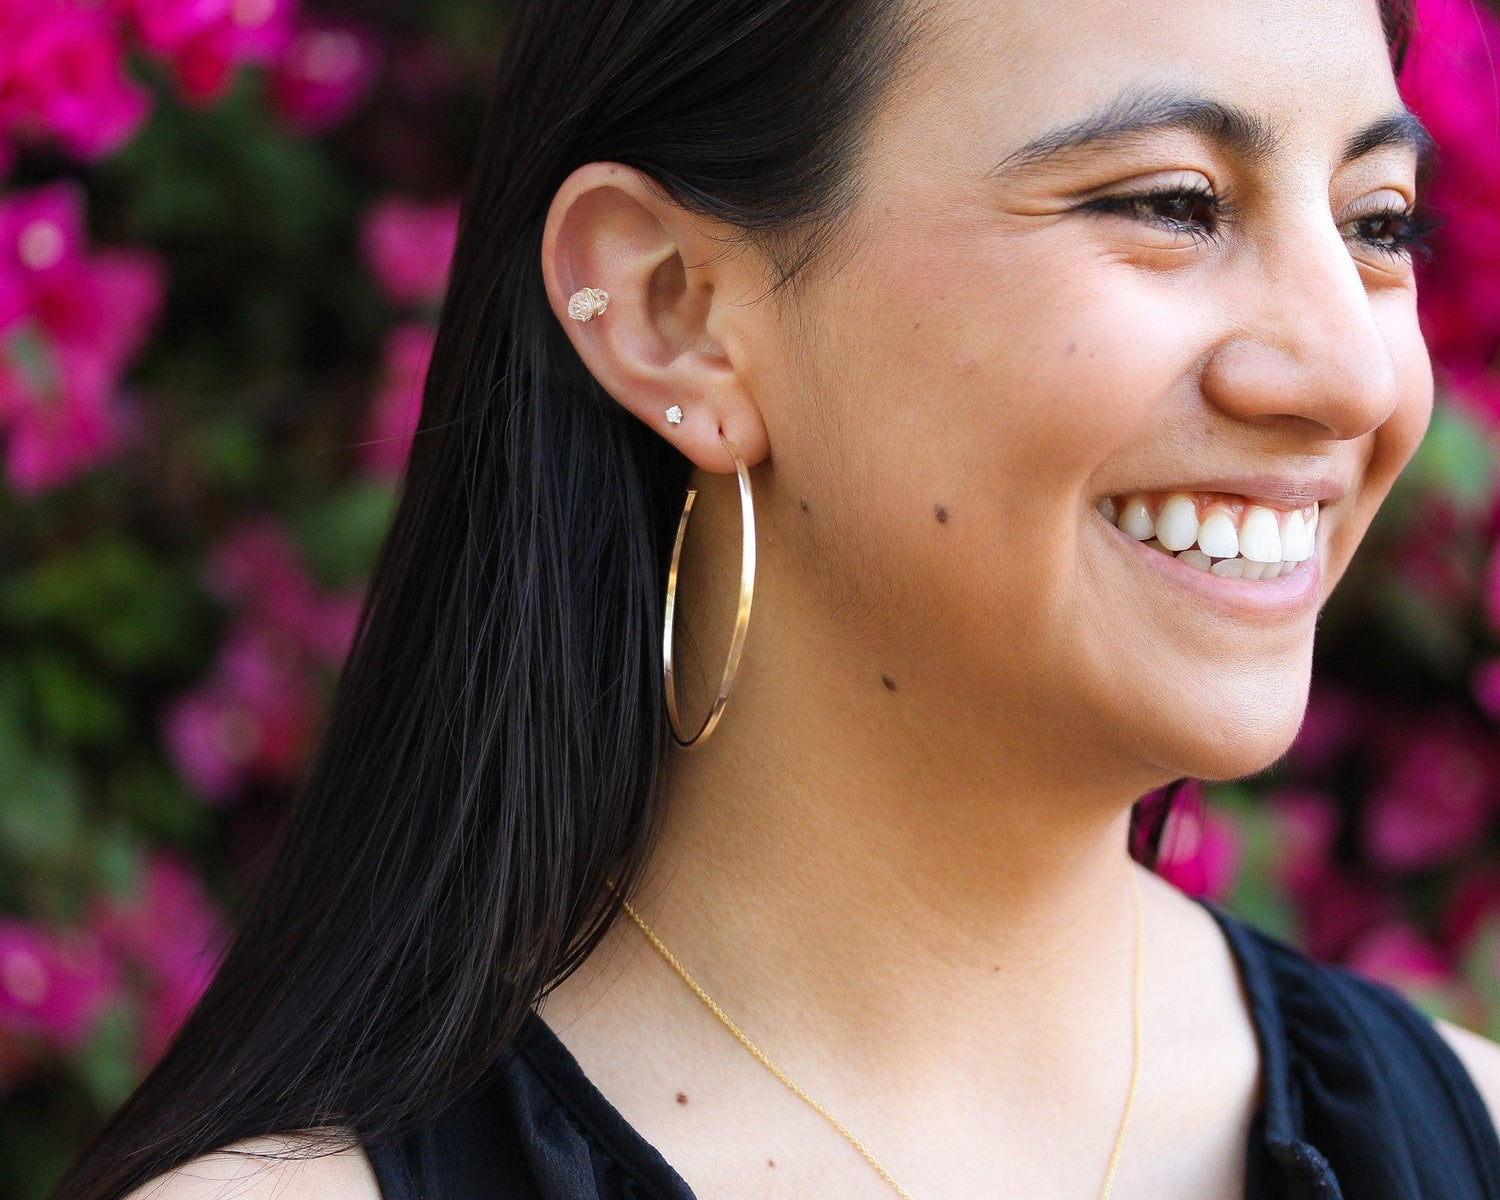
(1398, 231)
(1195, 211)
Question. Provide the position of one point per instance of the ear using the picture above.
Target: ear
(661, 339)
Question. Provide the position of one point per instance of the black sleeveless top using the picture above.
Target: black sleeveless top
(1363, 1100)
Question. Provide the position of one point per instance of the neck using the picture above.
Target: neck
(875, 862)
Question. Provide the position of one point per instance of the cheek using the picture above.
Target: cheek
(1007, 371)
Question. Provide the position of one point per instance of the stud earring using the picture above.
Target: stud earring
(587, 303)
(674, 415)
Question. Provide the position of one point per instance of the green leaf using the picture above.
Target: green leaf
(107, 1063)
(42, 811)
(75, 706)
(340, 537)
(1457, 457)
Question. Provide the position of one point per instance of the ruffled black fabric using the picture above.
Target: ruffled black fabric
(1363, 1100)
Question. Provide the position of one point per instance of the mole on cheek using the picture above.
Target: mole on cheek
(890, 683)
(770, 1162)
(941, 513)
(802, 504)
(681, 1097)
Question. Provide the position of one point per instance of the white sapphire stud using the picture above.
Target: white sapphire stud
(587, 303)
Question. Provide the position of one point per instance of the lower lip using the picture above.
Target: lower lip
(1297, 592)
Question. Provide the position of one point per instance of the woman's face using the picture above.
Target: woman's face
(1018, 327)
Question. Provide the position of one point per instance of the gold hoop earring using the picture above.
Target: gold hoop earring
(742, 616)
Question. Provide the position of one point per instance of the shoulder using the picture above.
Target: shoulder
(1482, 1059)
(276, 1167)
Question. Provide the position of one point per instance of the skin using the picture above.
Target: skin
(900, 861)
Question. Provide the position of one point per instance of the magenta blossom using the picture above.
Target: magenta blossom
(251, 722)
(1201, 853)
(203, 41)
(1331, 724)
(258, 571)
(63, 78)
(1306, 823)
(325, 73)
(1440, 790)
(171, 932)
(409, 247)
(1396, 953)
(1449, 81)
(392, 419)
(53, 984)
(1336, 907)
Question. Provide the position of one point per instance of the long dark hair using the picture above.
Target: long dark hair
(496, 744)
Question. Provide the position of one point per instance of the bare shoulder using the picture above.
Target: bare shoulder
(279, 1167)
(1482, 1058)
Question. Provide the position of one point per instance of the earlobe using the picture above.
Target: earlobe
(615, 255)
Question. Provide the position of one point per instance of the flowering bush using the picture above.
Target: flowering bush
(224, 227)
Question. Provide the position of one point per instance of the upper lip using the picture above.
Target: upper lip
(1285, 490)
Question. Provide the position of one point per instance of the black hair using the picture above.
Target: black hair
(494, 749)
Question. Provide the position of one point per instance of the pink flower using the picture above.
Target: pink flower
(1449, 82)
(258, 571)
(392, 420)
(326, 71)
(1331, 724)
(53, 984)
(1306, 822)
(172, 933)
(1473, 901)
(1201, 853)
(1395, 953)
(1439, 792)
(409, 247)
(1338, 906)
(251, 722)
(203, 41)
(69, 324)
(63, 76)
(1484, 685)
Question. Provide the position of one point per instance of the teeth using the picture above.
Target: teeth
(1296, 543)
(1260, 546)
(1260, 539)
(1135, 518)
(1217, 536)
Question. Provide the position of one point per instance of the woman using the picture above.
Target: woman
(1052, 361)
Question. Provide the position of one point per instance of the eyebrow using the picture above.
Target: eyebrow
(1243, 133)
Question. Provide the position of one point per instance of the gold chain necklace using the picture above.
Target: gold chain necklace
(1135, 1062)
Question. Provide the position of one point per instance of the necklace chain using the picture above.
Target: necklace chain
(1135, 1062)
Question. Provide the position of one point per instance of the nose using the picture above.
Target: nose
(1307, 342)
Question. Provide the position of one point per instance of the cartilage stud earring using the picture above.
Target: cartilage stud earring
(674, 415)
(587, 303)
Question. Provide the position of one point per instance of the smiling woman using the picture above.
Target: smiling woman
(1031, 374)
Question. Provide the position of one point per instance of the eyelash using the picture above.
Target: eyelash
(1409, 239)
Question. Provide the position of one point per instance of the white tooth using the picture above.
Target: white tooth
(1260, 539)
(1230, 568)
(1257, 570)
(1135, 518)
(1156, 545)
(1296, 545)
(1106, 506)
(1195, 558)
(1312, 521)
(1217, 535)
(1177, 523)
(1289, 566)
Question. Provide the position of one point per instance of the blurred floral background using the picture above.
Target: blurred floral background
(224, 229)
